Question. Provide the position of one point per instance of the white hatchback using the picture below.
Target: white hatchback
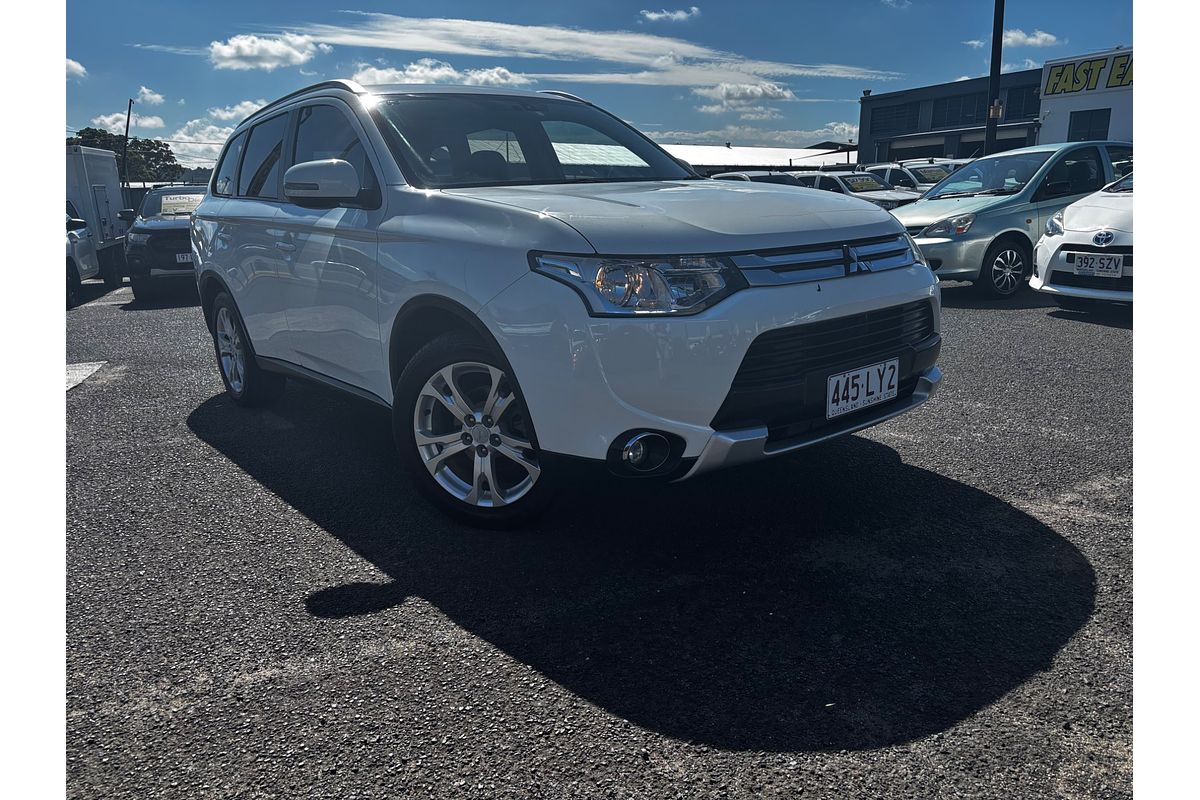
(530, 285)
(1086, 253)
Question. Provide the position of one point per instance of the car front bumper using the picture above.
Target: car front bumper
(589, 381)
(954, 259)
(1054, 271)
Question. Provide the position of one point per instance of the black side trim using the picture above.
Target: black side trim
(303, 373)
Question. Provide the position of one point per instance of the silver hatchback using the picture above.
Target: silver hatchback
(980, 223)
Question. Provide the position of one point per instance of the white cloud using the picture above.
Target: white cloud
(645, 58)
(75, 69)
(430, 70)
(115, 122)
(238, 111)
(1015, 37)
(746, 135)
(975, 43)
(173, 49)
(679, 15)
(745, 98)
(247, 51)
(901, 4)
(1028, 63)
(198, 142)
(962, 78)
(149, 97)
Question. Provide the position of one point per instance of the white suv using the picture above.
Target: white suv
(529, 284)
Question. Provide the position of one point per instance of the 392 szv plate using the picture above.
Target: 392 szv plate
(1098, 266)
(862, 387)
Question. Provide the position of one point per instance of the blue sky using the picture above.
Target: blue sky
(773, 73)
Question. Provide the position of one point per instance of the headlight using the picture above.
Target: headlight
(953, 226)
(137, 238)
(917, 254)
(1054, 225)
(643, 286)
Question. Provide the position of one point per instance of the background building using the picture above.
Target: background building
(1069, 99)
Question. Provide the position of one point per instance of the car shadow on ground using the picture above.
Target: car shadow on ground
(839, 599)
(93, 290)
(965, 295)
(180, 295)
(1108, 315)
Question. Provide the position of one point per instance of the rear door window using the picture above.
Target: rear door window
(1077, 172)
(260, 173)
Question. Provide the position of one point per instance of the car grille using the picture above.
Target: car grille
(824, 261)
(781, 356)
(168, 243)
(781, 381)
(915, 230)
(1122, 284)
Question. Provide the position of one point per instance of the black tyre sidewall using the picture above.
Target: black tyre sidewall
(431, 358)
(74, 284)
(985, 284)
(259, 387)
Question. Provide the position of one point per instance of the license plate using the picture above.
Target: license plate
(862, 387)
(1098, 266)
(183, 258)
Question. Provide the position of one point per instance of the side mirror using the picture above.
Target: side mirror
(321, 183)
(76, 224)
(127, 215)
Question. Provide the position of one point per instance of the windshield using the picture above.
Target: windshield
(786, 180)
(864, 182)
(178, 202)
(929, 174)
(1123, 185)
(455, 140)
(1002, 174)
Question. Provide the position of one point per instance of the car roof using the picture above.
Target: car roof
(436, 88)
(751, 173)
(1054, 147)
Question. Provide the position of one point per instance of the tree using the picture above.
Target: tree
(149, 159)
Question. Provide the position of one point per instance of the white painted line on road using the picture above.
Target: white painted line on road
(116, 297)
(78, 373)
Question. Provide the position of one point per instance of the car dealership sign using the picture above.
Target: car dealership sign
(1094, 73)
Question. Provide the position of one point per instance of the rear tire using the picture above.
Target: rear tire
(73, 285)
(1005, 269)
(482, 470)
(246, 383)
(112, 269)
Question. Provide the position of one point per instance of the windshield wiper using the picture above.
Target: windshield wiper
(1007, 190)
(954, 194)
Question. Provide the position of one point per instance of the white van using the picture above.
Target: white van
(94, 193)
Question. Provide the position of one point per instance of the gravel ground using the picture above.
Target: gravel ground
(259, 605)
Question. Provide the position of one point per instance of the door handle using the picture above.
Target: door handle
(286, 247)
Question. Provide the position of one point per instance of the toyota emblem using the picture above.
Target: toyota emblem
(1103, 238)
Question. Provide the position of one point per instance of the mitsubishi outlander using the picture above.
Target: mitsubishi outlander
(529, 285)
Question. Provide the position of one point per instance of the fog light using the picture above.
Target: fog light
(645, 452)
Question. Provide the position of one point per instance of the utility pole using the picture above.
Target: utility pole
(125, 146)
(994, 107)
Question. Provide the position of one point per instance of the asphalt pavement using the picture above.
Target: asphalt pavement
(260, 605)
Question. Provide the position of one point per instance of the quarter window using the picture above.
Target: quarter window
(227, 171)
(1122, 160)
(259, 176)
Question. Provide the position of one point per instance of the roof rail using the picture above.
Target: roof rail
(339, 83)
(568, 95)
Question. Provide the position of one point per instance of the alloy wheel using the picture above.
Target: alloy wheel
(1008, 270)
(473, 435)
(230, 350)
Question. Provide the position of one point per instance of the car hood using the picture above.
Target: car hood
(161, 223)
(890, 195)
(1112, 210)
(697, 216)
(926, 212)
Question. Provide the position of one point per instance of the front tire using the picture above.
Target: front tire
(143, 290)
(246, 383)
(465, 435)
(112, 270)
(1004, 270)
